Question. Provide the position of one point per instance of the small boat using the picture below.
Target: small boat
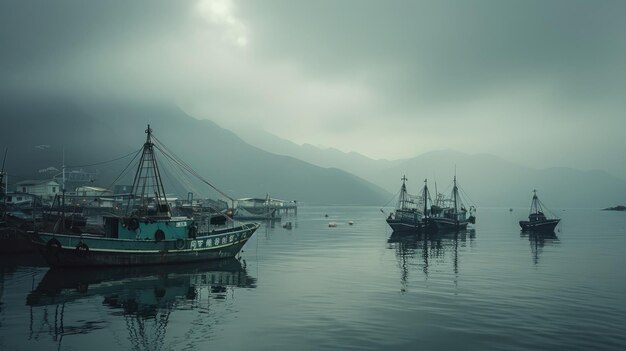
(287, 225)
(147, 233)
(332, 225)
(450, 214)
(537, 220)
(406, 217)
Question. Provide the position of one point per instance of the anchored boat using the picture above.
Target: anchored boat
(148, 233)
(406, 217)
(451, 214)
(537, 220)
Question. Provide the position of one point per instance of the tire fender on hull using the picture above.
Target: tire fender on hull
(81, 250)
(159, 235)
(53, 245)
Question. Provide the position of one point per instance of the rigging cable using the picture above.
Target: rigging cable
(159, 145)
(544, 207)
(190, 170)
(126, 168)
(393, 197)
(467, 196)
(179, 174)
(103, 162)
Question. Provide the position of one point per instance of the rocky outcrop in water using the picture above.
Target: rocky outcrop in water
(616, 208)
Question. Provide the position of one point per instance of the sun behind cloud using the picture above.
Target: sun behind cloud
(221, 13)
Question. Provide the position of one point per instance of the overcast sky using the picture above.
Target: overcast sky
(537, 82)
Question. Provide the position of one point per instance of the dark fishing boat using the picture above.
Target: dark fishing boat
(451, 214)
(148, 233)
(537, 220)
(17, 220)
(406, 217)
(13, 238)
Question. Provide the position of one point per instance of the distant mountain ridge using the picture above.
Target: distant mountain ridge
(487, 179)
(91, 132)
(352, 162)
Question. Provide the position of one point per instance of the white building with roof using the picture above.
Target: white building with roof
(46, 189)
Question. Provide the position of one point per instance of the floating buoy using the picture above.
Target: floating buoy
(332, 224)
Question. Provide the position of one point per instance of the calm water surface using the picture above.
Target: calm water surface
(350, 287)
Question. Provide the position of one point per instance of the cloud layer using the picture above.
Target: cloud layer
(534, 81)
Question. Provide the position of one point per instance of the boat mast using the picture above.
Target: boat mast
(403, 194)
(535, 207)
(455, 195)
(63, 190)
(4, 182)
(425, 196)
(2, 176)
(147, 182)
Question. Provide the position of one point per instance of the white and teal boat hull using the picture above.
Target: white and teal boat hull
(67, 250)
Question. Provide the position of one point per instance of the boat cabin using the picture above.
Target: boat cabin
(157, 229)
(539, 216)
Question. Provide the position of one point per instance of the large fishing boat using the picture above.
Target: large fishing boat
(450, 214)
(147, 233)
(537, 220)
(406, 217)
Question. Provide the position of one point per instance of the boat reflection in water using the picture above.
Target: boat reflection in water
(144, 297)
(537, 242)
(434, 248)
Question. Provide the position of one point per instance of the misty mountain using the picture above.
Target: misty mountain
(352, 162)
(487, 180)
(37, 130)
